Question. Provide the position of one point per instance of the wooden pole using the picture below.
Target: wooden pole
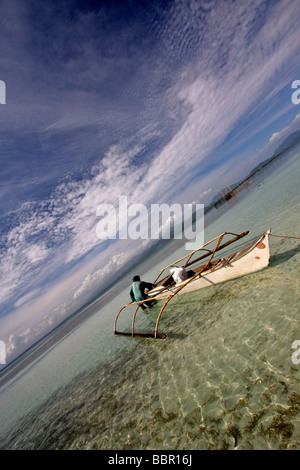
(133, 319)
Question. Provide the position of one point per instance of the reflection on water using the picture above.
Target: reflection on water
(222, 379)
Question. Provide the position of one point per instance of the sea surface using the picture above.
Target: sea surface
(224, 377)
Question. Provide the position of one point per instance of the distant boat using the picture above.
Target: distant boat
(250, 258)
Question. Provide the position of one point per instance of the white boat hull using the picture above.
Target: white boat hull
(249, 259)
(246, 261)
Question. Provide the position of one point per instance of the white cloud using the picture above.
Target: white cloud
(204, 193)
(94, 280)
(15, 344)
(26, 298)
(36, 253)
(277, 137)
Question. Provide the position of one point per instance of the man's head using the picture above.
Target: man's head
(136, 278)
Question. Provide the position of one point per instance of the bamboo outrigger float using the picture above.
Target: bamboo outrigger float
(251, 258)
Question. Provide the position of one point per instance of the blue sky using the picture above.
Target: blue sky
(154, 100)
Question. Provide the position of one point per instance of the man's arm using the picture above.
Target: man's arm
(148, 285)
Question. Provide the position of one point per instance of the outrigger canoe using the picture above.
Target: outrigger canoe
(250, 258)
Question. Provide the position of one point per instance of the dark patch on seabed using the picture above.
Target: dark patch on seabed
(97, 415)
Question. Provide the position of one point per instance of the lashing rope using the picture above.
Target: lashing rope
(283, 236)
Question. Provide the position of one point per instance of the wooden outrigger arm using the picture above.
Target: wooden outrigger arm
(209, 252)
(168, 294)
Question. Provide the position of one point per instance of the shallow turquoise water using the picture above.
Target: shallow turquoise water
(222, 379)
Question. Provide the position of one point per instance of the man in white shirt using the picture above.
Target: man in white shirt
(179, 274)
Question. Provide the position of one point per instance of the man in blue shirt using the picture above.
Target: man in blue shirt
(137, 291)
